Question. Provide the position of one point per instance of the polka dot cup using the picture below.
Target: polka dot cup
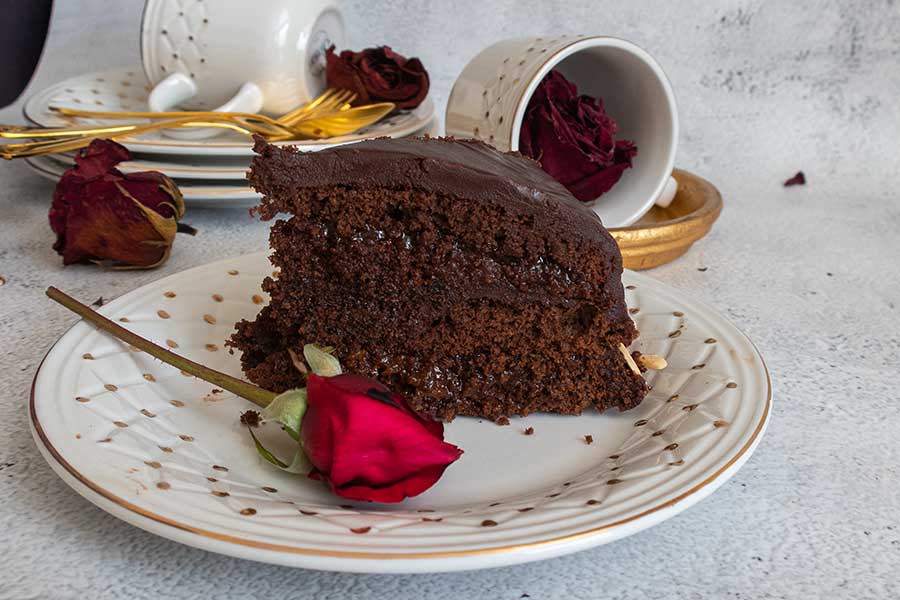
(489, 99)
(239, 56)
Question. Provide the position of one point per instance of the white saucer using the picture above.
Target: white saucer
(126, 88)
(237, 194)
(161, 451)
(229, 169)
(220, 168)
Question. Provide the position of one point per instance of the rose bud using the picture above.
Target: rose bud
(378, 75)
(573, 139)
(101, 215)
(367, 443)
(354, 434)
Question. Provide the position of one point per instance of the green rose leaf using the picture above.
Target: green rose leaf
(320, 361)
(299, 464)
(288, 409)
(265, 453)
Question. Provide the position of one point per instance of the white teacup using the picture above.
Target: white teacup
(237, 55)
(489, 99)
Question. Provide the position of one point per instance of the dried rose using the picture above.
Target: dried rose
(364, 441)
(378, 75)
(101, 215)
(573, 138)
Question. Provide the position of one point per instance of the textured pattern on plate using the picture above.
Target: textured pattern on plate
(145, 433)
(115, 89)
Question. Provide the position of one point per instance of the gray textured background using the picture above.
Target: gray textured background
(765, 89)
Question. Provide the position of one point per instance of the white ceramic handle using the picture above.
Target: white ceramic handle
(668, 194)
(177, 88)
(170, 92)
(248, 99)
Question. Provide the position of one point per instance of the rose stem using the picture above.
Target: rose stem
(254, 394)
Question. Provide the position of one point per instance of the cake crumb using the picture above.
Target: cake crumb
(588, 439)
(250, 418)
(214, 396)
(502, 421)
(529, 431)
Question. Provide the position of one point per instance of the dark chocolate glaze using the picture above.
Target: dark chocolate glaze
(465, 168)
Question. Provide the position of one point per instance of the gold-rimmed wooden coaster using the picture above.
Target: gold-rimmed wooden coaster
(665, 233)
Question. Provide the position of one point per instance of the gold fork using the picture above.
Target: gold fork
(329, 102)
(340, 123)
(329, 125)
(17, 132)
(55, 145)
(332, 100)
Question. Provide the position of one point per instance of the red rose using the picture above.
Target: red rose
(354, 434)
(100, 214)
(367, 443)
(573, 138)
(378, 75)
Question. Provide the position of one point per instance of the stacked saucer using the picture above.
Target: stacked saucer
(210, 172)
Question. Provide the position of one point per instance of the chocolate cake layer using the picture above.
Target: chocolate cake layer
(465, 278)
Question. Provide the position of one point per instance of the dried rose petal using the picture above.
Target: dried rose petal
(102, 215)
(798, 179)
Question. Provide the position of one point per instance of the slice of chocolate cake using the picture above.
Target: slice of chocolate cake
(465, 278)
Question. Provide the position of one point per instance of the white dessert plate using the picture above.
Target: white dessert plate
(165, 452)
(231, 194)
(126, 88)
